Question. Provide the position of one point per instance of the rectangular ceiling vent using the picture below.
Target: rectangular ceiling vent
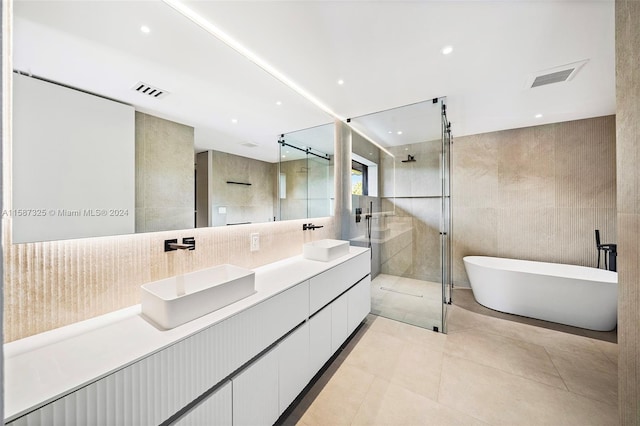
(555, 75)
(149, 90)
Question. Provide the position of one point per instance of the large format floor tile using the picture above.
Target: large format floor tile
(501, 398)
(511, 355)
(487, 370)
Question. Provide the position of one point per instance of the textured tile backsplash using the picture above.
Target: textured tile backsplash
(52, 284)
(535, 193)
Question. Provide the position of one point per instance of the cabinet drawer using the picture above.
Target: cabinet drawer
(294, 371)
(339, 329)
(325, 287)
(359, 298)
(215, 410)
(255, 392)
(319, 339)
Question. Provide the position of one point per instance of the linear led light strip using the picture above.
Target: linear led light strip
(238, 47)
(244, 51)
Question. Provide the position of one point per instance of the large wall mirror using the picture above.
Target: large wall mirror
(128, 117)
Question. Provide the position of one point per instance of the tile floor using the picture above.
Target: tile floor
(485, 371)
(408, 300)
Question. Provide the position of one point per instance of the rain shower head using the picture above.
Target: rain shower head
(410, 159)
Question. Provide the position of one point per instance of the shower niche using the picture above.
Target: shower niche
(400, 204)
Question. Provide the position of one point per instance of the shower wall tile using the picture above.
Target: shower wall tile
(164, 174)
(426, 166)
(627, 16)
(535, 193)
(53, 284)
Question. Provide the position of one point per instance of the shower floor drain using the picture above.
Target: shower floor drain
(401, 292)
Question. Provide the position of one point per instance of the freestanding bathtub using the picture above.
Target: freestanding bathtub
(566, 294)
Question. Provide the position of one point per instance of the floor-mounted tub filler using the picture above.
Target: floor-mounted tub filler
(567, 294)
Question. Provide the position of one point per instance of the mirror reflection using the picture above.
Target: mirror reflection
(204, 105)
(400, 205)
(306, 177)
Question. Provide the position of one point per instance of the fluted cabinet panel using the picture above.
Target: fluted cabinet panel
(153, 389)
(215, 410)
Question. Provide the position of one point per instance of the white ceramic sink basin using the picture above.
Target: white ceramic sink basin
(177, 300)
(325, 250)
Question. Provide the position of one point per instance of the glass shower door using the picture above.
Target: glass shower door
(409, 232)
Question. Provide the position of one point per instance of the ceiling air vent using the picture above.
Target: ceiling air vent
(147, 89)
(555, 75)
(249, 144)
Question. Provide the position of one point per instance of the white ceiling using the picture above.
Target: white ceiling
(387, 52)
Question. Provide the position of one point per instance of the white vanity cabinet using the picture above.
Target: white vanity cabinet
(294, 369)
(255, 392)
(325, 287)
(339, 326)
(214, 410)
(319, 339)
(250, 365)
(359, 301)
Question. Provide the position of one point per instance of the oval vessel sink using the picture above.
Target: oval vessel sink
(176, 300)
(325, 250)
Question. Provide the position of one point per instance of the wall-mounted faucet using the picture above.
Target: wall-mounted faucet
(188, 243)
(311, 226)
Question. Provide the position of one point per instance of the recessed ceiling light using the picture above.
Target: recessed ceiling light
(447, 49)
(145, 29)
(389, 132)
(234, 120)
(399, 132)
(278, 103)
(341, 82)
(538, 115)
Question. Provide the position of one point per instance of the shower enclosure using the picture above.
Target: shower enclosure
(401, 209)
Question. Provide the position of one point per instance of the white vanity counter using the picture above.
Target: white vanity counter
(42, 368)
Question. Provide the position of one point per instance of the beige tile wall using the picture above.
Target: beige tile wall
(164, 174)
(628, 156)
(244, 203)
(52, 284)
(535, 193)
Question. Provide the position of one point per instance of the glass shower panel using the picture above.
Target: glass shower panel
(407, 230)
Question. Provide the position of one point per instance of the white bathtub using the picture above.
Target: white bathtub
(566, 294)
